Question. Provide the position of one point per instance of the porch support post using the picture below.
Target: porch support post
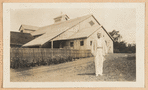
(51, 44)
(52, 50)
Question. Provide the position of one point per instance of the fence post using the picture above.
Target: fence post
(52, 49)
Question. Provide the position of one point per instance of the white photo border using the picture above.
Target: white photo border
(140, 38)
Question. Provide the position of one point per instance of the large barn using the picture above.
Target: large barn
(78, 33)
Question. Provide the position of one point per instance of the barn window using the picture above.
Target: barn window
(91, 23)
(81, 43)
(90, 43)
(71, 44)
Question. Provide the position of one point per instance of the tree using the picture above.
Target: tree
(131, 48)
(116, 36)
(119, 45)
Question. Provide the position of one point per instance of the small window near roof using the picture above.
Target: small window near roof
(90, 43)
(66, 18)
(71, 44)
(81, 43)
(91, 23)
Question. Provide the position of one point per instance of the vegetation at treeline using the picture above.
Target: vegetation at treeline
(121, 46)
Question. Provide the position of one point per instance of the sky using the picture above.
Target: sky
(120, 19)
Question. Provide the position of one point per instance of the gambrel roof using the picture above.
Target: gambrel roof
(50, 32)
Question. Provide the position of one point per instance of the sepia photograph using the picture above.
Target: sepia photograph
(73, 43)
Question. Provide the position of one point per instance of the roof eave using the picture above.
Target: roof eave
(30, 29)
(15, 44)
(95, 19)
(108, 34)
(31, 45)
(20, 27)
(72, 38)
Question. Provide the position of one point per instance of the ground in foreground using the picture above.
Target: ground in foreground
(117, 67)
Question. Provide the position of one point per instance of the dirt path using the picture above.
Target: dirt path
(79, 70)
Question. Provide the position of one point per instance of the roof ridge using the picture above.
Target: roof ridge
(68, 20)
(29, 25)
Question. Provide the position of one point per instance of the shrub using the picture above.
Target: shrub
(131, 57)
(55, 61)
(49, 61)
(69, 58)
(61, 60)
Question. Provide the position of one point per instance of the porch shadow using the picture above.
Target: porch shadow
(87, 74)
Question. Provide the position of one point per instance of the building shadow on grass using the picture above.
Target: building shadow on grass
(22, 69)
(87, 74)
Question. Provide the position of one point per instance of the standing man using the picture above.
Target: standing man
(99, 55)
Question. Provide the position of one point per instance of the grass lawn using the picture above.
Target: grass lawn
(117, 67)
(120, 66)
